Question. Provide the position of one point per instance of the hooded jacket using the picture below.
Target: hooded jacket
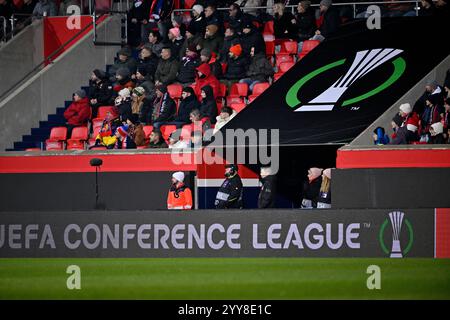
(260, 68)
(209, 79)
(186, 106)
(208, 106)
(78, 112)
(236, 67)
(252, 39)
(187, 69)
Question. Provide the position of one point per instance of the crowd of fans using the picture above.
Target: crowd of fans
(426, 122)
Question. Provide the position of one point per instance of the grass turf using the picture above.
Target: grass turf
(232, 278)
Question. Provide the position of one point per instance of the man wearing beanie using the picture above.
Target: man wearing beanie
(252, 38)
(198, 22)
(188, 65)
(268, 192)
(330, 18)
(164, 108)
(231, 39)
(207, 57)
(407, 133)
(212, 40)
(180, 196)
(147, 61)
(100, 91)
(78, 113)
(124, 60)
(436, 133)
(191, 39)
(123, 80)
(167, 69)
(237, 65)
(175, 40)
(433, 91)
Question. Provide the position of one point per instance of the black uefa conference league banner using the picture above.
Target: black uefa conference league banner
(271, 233)
(336, 92)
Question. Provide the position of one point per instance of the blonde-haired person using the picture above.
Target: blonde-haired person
(138, 96)
(324, 201)
(282, 23)
(311, 188)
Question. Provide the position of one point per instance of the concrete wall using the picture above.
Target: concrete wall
(47, 90)
(438, 73)
(21, 55)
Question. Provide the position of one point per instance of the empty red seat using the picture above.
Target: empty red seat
(175, 90)
(148, 130)
(283, 67)
(257, 90)
(289, 48)
(75, 145)
(58, 136)
(223, 90)
(283, 58)
(238, 106)
(224, 67)
(231, 100)
(239, 90)
(103, 111)
(167, 129)
(77, 141)
(308, 45)
(268, 28)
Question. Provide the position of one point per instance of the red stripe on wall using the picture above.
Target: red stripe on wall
(418, 158)
(80, 163)
(442, 233)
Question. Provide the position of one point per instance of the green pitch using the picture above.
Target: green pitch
(237, 278)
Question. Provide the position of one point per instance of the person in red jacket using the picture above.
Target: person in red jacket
(79, 112)
(180, 196)
(206, 77)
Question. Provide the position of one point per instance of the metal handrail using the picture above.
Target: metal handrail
(48, 59)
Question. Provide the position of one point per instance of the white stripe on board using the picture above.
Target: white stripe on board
(218, 182)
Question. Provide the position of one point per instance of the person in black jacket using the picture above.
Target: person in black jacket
(148, 61)
(213, 16)
(311, 188)
(267, 195)
(305, 21)
(198, 22)
(123, 104)
(231, 39)
(100, 91)
(208, 107)
(188, 103)
(207, 57)
(331, 20)
(237, 19)
(252, 38)
(138, 12)
(188, 66)
(282, 23)
(164, 108)
(237, 65)
(229, 195)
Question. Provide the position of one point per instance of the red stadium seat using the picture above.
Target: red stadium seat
(282, 58)
(223, 90)
(257, 90)
(167, 129)
(102, 111)
(308, 45)
(239, 90)
(224, 67)
(186, 132)
(175, 90)
(238, 107)
(270, 50)
(148, 130)
(268, 31)
(277, 76)
(33, 149)
(75, 145)
(58, 134)
(231, 100)
(97, 124)
(219, 106)
(285, 66)
(289, 48)
(77, 141)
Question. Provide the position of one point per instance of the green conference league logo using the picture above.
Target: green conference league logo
(399, 234)
(363, 63)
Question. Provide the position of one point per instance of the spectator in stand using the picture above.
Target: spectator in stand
(226, 114)
(143, 79)
(124, 60)
(206, 77)
(188, 66)
(124, 141)
(78, 113)
(198, 22)
(431, 89)
(405, 111)
(136, 130)
(177, 22)
(154, 42)
(311, 188)
(166, 72)
(123, 104)
(146, 109)
(282, 23)
(164, 108)
(190, 40)
(237, 65)
(175, 41)
(157, 141)
(231, 39)
(175, 141)
(380, 137)
(252, 38)
(237, 19)
(137, 101)
(251, 4)
(324, 200)
(123, 80)
(260, 69)
(398, 9)
(330, 20)
(148, 61)
(433, 113)
(136, 15)
(437, 133)
(45, 8)
(211, 59)
(188, 103)
(427, 8)
(100, 91)
(212, 40)
(446, 120)
(407, 133)
(180, 196)
(267, 195)
(304, 21)
(196, 119)
(229, 195)
(213, 16)
(208, 107)
(25, 11)
(64, 6)
(396, 123)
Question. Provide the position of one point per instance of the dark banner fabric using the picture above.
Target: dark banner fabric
(235, 233)
(345, 83)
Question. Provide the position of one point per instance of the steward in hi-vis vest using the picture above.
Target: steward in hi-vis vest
(180, 196)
